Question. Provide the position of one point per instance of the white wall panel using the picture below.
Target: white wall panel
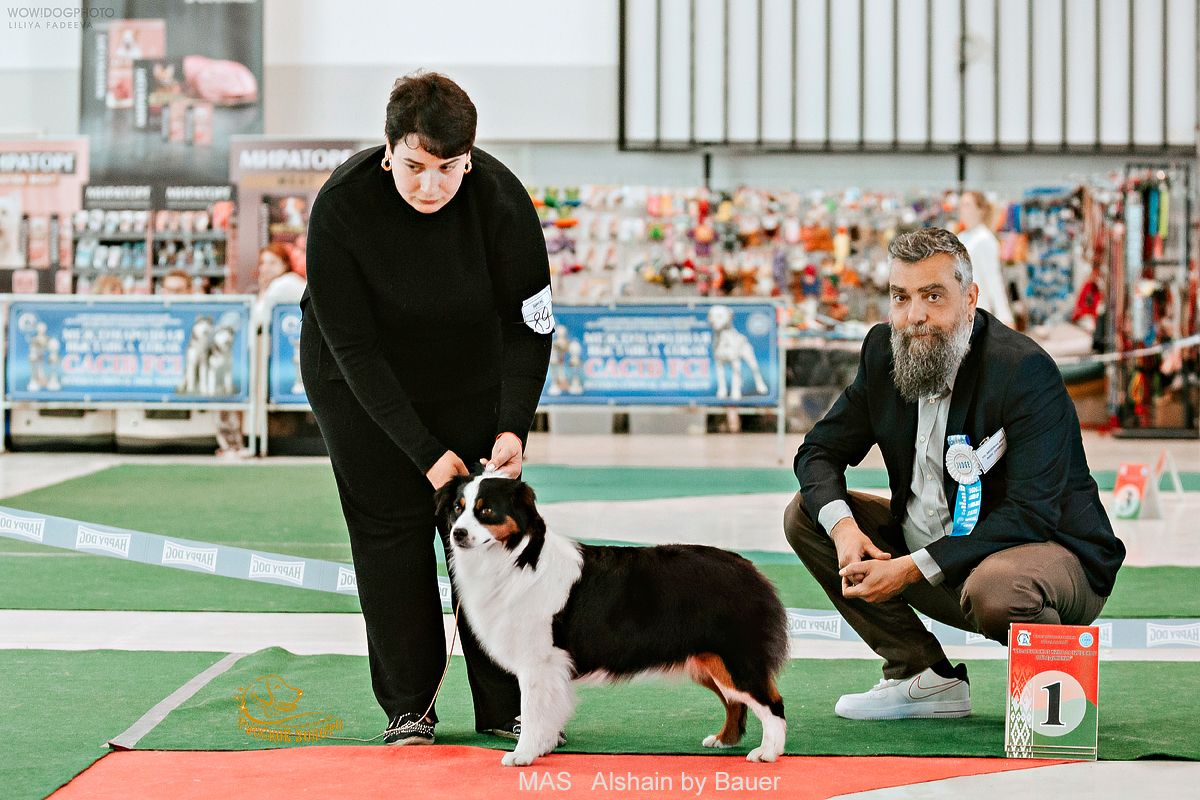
(946, 36)
(1081, 72)
(676, 77)
(777, 70)
(1181, 70)
(710, 35)
(912, 93)
(743, 71)
(980, 76)
(1148, 72)
(843, 65)
(640, 74)
(1047, 73)
(1014, 71)
(26, 44)
(1114, 71)
(444, 32)
(878, 98)
(810, 82)
(543, 70)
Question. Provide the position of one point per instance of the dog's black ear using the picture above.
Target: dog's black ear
(525, 502)
(534, 527)
(443, 501)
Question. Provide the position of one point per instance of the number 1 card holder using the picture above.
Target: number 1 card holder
(1053, 708)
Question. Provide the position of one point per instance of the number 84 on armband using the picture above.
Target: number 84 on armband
(1053, 708)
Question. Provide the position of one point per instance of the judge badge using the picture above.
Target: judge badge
(965, 466)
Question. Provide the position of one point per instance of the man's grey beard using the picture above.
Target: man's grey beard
(923, 367)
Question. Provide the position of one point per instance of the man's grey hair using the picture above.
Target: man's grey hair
(926, 243)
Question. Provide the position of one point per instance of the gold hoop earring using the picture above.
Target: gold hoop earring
(386, 164)
(467, 168)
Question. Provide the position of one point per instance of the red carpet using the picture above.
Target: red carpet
(467, 773)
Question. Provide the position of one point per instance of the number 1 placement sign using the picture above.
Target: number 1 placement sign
(1053, 691)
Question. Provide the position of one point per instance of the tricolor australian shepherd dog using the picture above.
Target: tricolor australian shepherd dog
(551, 611)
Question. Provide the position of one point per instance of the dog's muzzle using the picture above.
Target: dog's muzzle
(461, 537)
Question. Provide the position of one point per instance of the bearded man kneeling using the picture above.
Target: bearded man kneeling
(993, 517)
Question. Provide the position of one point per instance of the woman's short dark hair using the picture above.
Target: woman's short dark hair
(433, 109)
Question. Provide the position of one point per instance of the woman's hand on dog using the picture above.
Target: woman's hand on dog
(445, 468)
(506, 455)
(852, 547)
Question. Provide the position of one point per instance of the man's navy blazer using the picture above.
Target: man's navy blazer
(1040, 490)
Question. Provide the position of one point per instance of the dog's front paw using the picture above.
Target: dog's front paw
(517, 759)
(714, 741)
(761, 754)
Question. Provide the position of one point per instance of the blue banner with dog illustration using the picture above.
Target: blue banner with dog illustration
(134, 351)
(718, 354)
(286, 387)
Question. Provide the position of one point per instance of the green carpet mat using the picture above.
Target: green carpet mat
(1137, 718)
(61, 707)
(293, 509)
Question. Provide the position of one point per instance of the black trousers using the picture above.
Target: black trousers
(388, 506)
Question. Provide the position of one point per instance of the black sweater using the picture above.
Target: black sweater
(422, 307)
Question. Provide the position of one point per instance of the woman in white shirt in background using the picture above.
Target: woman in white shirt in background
(278, 280)
(974, 213)
(278, 283)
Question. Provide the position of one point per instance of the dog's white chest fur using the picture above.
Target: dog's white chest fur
(512, 608)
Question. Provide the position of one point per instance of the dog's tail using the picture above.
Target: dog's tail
(776, 640)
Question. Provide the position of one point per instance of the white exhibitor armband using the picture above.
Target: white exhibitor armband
(538, 312)
(991, 449)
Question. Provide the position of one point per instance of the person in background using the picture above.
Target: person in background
(108, 284)
(177, 281)
(278, 281)
(278, 284)
(974, 215)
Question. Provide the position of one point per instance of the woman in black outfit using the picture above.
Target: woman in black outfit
(425, 343)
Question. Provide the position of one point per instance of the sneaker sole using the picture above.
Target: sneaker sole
(910, 711)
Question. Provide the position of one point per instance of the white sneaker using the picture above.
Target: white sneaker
(923, 696)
